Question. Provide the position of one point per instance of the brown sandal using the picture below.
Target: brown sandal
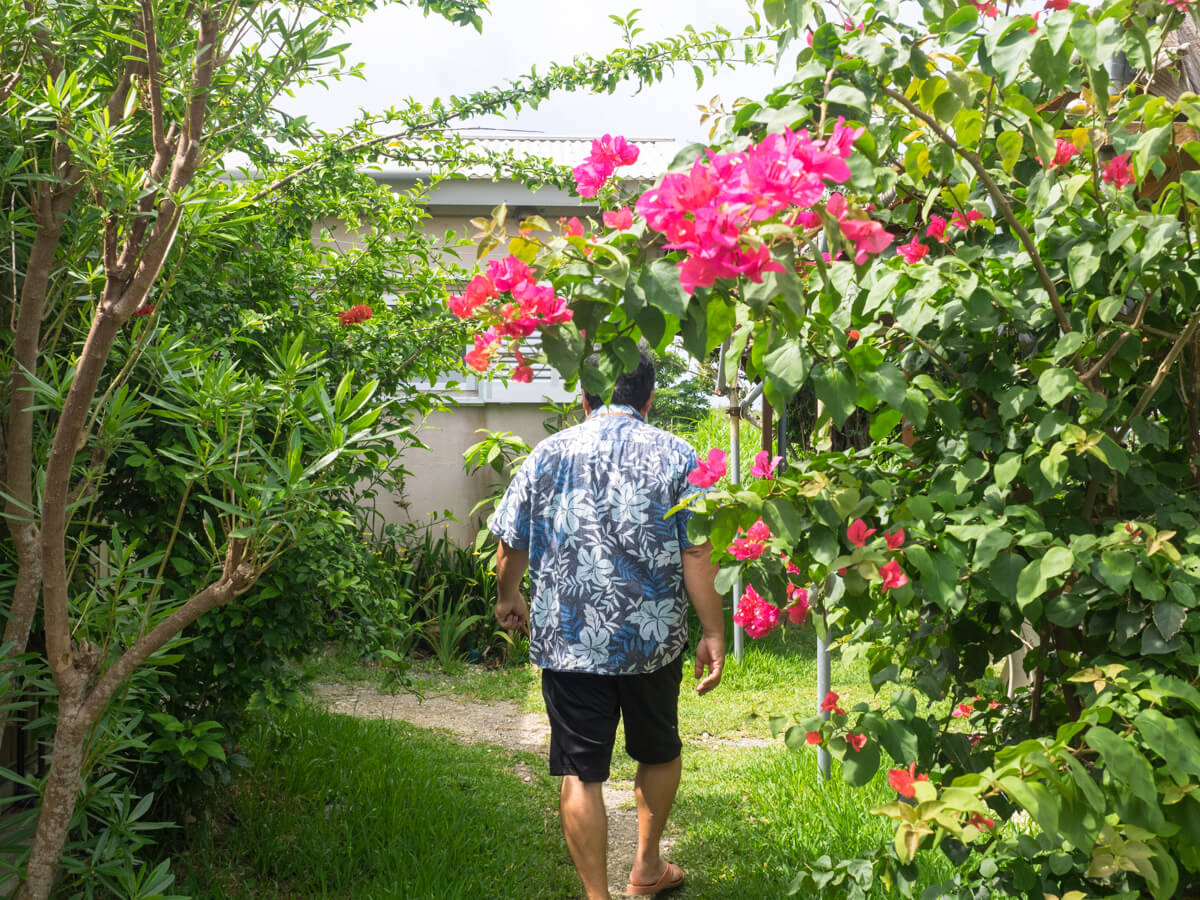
(668, 881)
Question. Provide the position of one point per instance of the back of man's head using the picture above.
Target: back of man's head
(632, 388)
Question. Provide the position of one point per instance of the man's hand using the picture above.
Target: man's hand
(710, 654)
(513, 614)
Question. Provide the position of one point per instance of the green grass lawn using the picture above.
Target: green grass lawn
(336, 807)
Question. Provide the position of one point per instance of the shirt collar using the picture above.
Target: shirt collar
(617, 409)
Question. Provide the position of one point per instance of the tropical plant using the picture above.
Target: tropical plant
(969, 237)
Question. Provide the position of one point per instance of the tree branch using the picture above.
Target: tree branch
(997, 197)
(1160, 376)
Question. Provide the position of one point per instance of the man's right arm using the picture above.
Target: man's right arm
(699, 573)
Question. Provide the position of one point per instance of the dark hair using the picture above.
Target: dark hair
(632, 388)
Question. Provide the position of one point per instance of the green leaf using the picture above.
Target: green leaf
(848, 95)
(887, 383)
(1169, 618)
(1008, 145)
(1138, 803)
(784, 519)
(1172, 739)
(1096, 43)
(993, 541)
(1055, 384)
(787, 367)
(1115, 569)
(564, 347)
(1083, 262)
(835, 389)
(660, 281)
(1057, 561)
(859, 767)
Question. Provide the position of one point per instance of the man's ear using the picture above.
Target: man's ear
(649, 403)
(587, 409)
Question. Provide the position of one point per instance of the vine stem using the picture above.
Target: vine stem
(1163, 369)
(998, 198)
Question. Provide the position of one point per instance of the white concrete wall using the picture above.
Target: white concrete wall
(438, 479)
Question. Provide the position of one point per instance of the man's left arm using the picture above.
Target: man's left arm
(512, 612)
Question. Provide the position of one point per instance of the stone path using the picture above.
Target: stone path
(502, 724)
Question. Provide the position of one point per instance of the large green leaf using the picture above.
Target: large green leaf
(836, 390)
(787, 367)
(860, 766)
(660, 281)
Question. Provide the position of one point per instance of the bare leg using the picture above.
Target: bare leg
(585, 825)
(655, 788)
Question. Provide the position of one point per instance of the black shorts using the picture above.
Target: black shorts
(584, 709)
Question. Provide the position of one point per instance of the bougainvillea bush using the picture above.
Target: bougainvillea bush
(971, 239)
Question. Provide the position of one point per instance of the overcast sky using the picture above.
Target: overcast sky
(409, 55)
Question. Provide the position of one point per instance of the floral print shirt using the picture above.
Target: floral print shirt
(589, 505)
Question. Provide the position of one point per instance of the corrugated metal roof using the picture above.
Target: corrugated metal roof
(655, 154)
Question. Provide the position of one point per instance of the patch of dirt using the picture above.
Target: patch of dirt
(502, 724)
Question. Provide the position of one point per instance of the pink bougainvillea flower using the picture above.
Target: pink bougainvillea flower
(792, 568)
(856, 741)
(981, 822)
(614, 151)
(505, 274)
(1117, 172)
(485, 345)
(753, 544)
(902, 780)
(355, 314)
(1057, 4)
(1033, 29)
(993, 704)
(869, 237)
(574, 228)
(1063, 152)
(523, 373)
(806, 218)
(589, 179)
(812, 737)
(620, 219)
(755, 614)
(963, 711)
(913, 252)
(759, 531)
(798, 611)
(892, 576)
(987, 8)
(765, 465)
(858, 532)
(895, 539)
(830, 704)
(709, 472)
(964, 221)
(937, 229)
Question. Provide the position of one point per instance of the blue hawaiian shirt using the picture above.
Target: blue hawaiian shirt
(605, 564)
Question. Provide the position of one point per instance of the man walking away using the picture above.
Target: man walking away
(610, 577)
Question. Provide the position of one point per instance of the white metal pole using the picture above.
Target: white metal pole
(735, 476)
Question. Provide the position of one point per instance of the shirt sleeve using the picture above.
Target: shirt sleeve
(512, 519)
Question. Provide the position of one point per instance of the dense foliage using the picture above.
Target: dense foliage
(991, 266)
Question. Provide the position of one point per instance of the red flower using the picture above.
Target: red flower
(980, 822)
(987, 8)
(798, 612)
(937, 229)
(574, 227)
(852, 334)
(902, 781)
(1063, 151)
(355, 314)
(959, 220)
(858, 532)
(829, 704)
(895, 539)
(523, 373)
(892, 576)
(620, 219)
(963, 711)
(147, 310)
(913, 252)
(1118, 173)
(755, 614)
(813, 737)
(856, 741)
(1057, 4)
(707, 473)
